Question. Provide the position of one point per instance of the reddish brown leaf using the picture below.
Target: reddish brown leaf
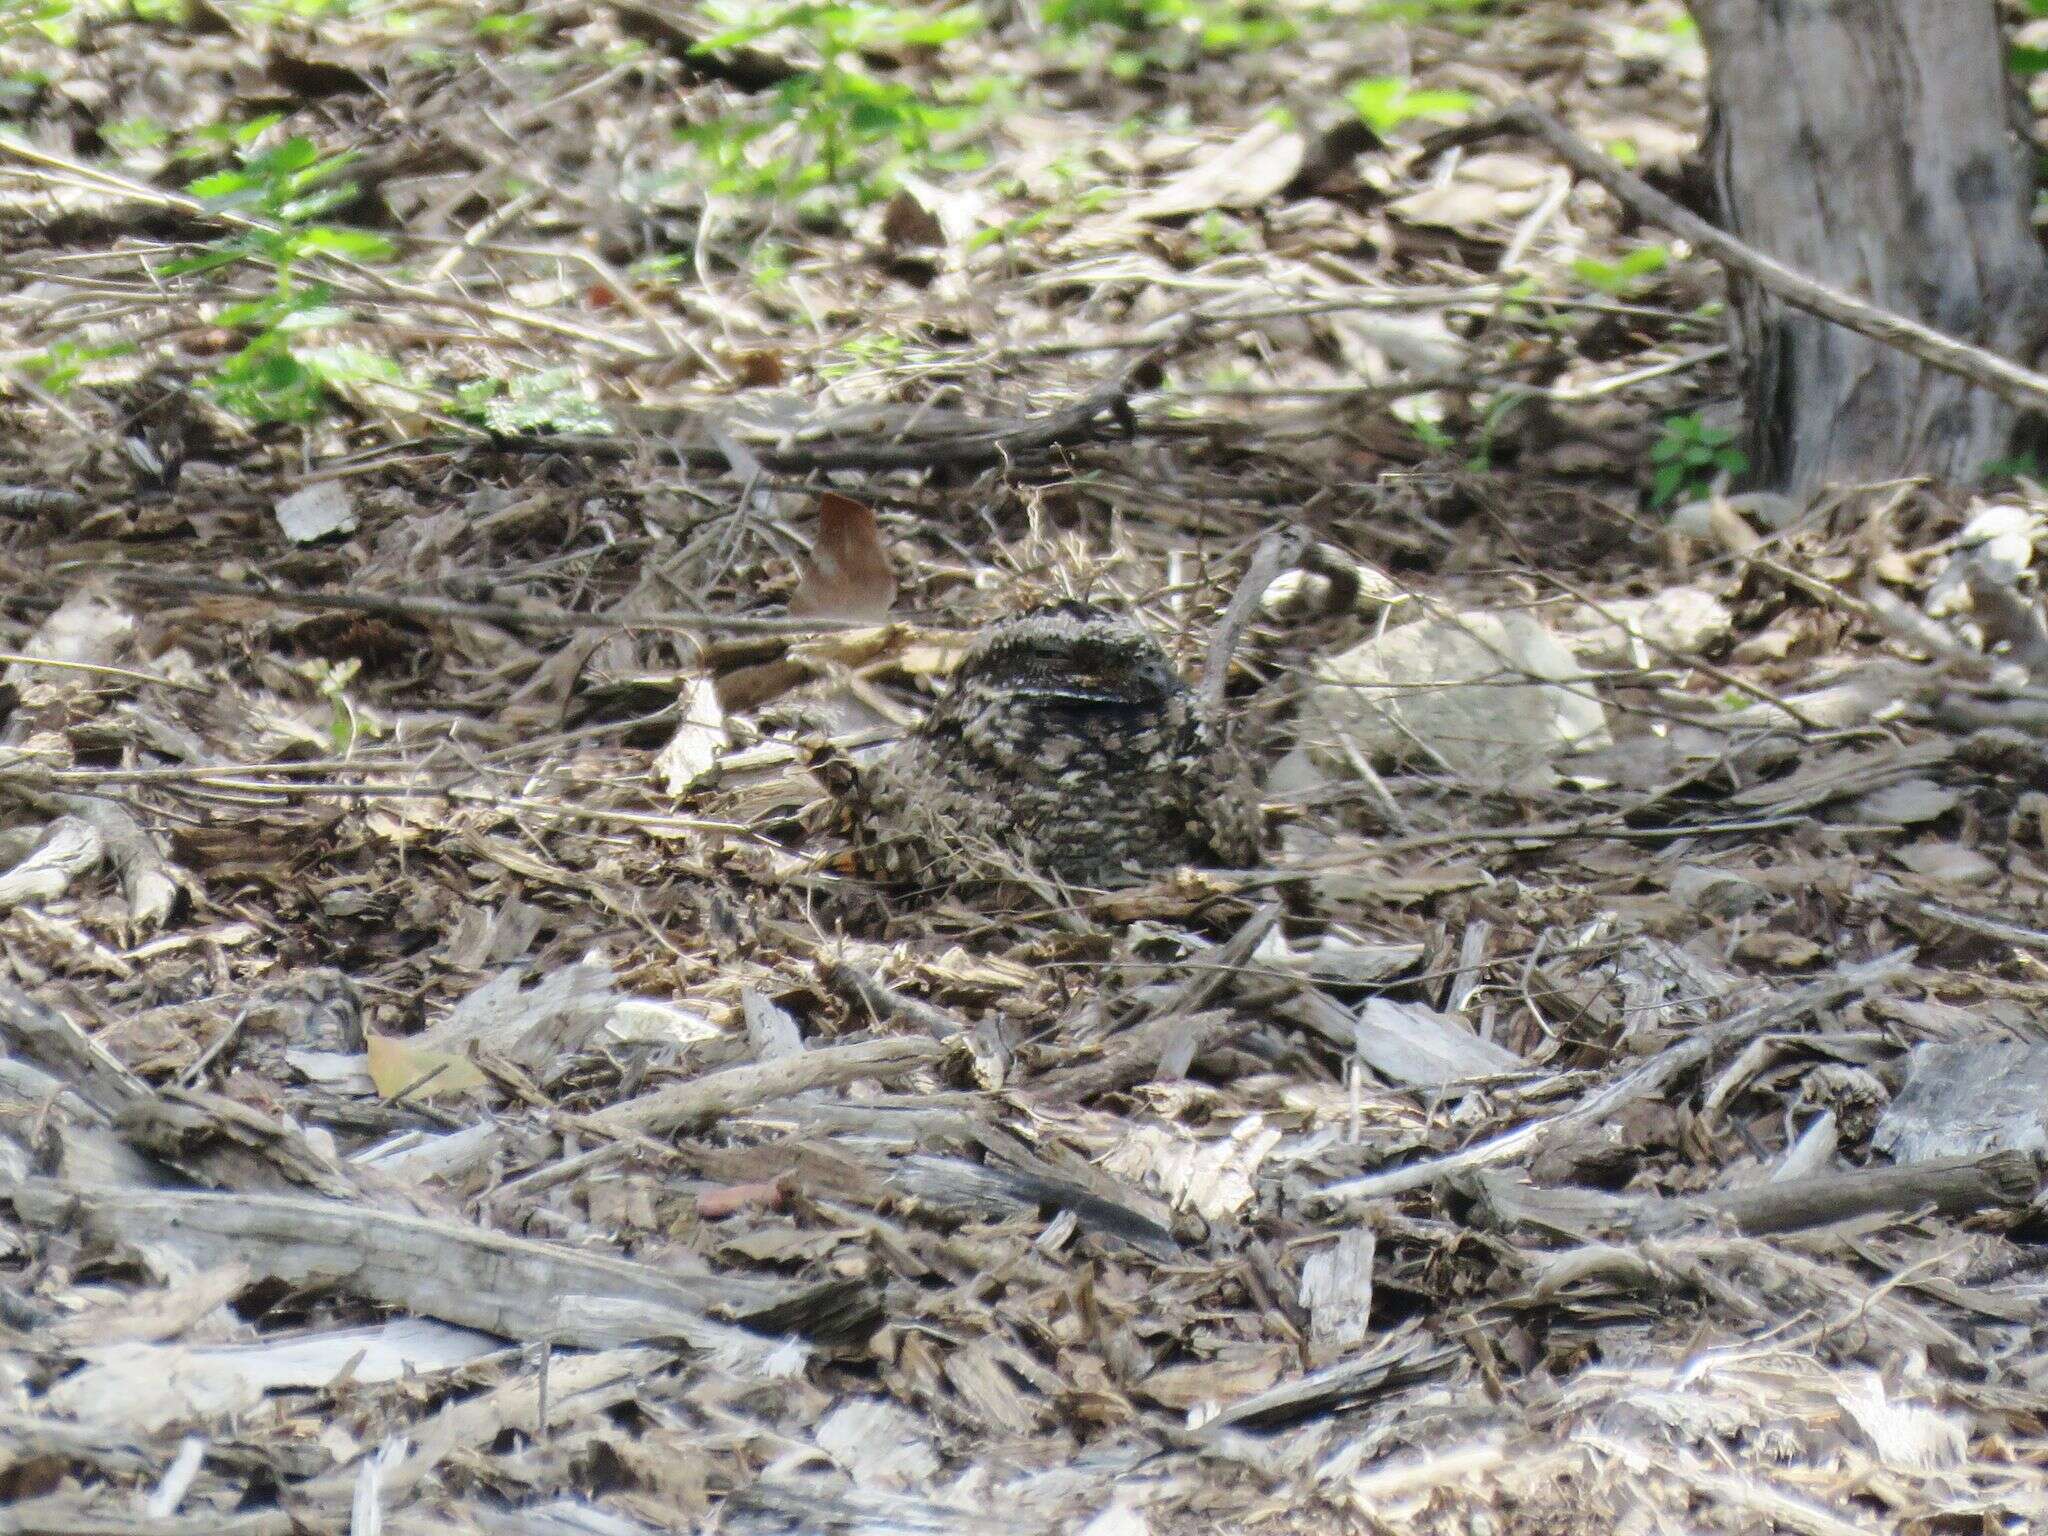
(848, 574)
(760, 369)
(907, 223)
(767, 1195)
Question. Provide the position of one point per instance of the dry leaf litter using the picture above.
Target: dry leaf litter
(453, 1077)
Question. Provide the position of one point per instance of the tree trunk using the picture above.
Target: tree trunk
(1872, 144)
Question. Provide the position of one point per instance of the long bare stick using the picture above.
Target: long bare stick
(2003, 377)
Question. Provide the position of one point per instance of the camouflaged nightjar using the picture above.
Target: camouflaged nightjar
(1067, 743)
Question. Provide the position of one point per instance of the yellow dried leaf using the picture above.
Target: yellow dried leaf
(396, 1065)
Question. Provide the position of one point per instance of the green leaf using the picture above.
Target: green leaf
(314, 317)
(947, 27)
(346, 363)
(134, 134)
(356, 244)
(2022, 464)
(294, 154)
(223, 184)
(1625, 275)
(248, 133)
(1387, 102)
(325, 200)
(205, 261)
(548, 401)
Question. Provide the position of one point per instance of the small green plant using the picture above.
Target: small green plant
(839, 132)
(49, 19)
(331, 679)
(1218, 234)
(1690, 456)
(277, 198)
(134, 135)
(509, 27)
(550, 400)
(1461, 14)
(272, 13)
(1386, 102)
(1049, 215)
(1631, 274)
(1166, 33)
(62, 365)
(2015, 466)
(1431, 434)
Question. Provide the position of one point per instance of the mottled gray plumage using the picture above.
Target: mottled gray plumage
(1068, 743)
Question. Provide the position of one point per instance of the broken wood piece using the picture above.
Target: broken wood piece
(222, 1143)
(1415, 1046)
(1336, 1289)
(145, 1387)
(1964, 1097)
(535, 1021)
(147, 881)
(859, 985)
(1647, 1080)
(38, 1033)
(685, 1106)
(1956, 1186)
(1406, 1355)
(76, 1139)
(70, 849)
(956, 1184)
(511, 1286)
(1141, 1054)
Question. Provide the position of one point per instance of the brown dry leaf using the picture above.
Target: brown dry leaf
(1950, 863)
(1490, 191)
(1909, 802)
(1237, 1374)
(766, 1194)
(934, 654)
(957, 968)
(1785, 950)
(396, 1065)
(1717, 521)
(1241, 174)
(848, 575)
(847, 648)
(907, 223)
(760, 368)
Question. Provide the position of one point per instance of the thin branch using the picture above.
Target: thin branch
(505, 615)
(2010, 381)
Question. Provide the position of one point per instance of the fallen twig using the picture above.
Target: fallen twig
(506, 615)
(1956, 1186)
(741, 1088)
(1648, 1079)
(2003, 377)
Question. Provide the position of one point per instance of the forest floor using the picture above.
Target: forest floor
(451, 1075)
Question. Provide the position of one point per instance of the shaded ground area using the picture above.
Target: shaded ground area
(453, 1073)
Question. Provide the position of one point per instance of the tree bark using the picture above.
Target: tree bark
(1872, 144)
